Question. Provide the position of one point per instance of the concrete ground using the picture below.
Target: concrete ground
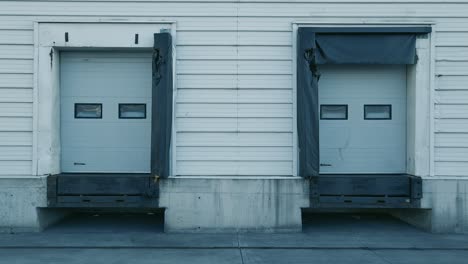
(330, 239)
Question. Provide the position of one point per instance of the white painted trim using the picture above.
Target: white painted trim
(22, 177)
(173, 160)
(461, 178)
(295, 145)
(432, 86)
(46, 132)
(103, 21)
(34, 169)
(364, 22)
(419, 129)
(368, 23)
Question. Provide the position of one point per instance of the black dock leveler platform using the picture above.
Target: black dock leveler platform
(365, 191)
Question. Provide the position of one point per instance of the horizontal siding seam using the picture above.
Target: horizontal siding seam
(247, 74)
(233, 60)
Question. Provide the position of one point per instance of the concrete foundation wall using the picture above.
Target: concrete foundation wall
(230, 205)
(233, 205)
(445, 207)
(19, 199)
(22, 205)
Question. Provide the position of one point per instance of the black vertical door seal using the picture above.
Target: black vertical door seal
(161, 125)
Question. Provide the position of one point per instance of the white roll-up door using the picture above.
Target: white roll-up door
(362, 119)
(105, 111)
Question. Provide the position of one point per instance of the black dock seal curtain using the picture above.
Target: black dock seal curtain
(316, 46)
(161, 126)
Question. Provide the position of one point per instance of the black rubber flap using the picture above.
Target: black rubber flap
(365, 48)
(307, 105)
(161, 127)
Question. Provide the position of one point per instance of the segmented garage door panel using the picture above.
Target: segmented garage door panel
(107, 143)
(356, 145)
(235, 58)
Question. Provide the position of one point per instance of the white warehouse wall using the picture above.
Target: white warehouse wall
(234, 109)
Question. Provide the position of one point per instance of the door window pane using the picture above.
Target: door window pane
(132, 111)
(88, 111)
(377, 112)
(334, 112)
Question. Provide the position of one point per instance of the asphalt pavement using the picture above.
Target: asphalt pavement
(326, 238)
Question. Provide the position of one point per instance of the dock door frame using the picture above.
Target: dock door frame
(50, 38)
(420, 85)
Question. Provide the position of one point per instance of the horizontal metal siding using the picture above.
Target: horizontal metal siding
(235, 153)
(15, 110)
(234, 81)
(16, 138)
(16, 66)
(239, 110)
(242, 124)
(256, 53)
(451, 101)
(234, 139)
(15, 153)
(8, 80)
(450, 54)
(451, 154)
(15, 95)
(17, 52)
(16, 123)
(9, 36)
(452, 168)
(451, 84)
(234, 61)
(234, 96)
(227, 38)
(451, 140)
(254, 9)
(232, 67)
(236, 167)
(15, 167)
